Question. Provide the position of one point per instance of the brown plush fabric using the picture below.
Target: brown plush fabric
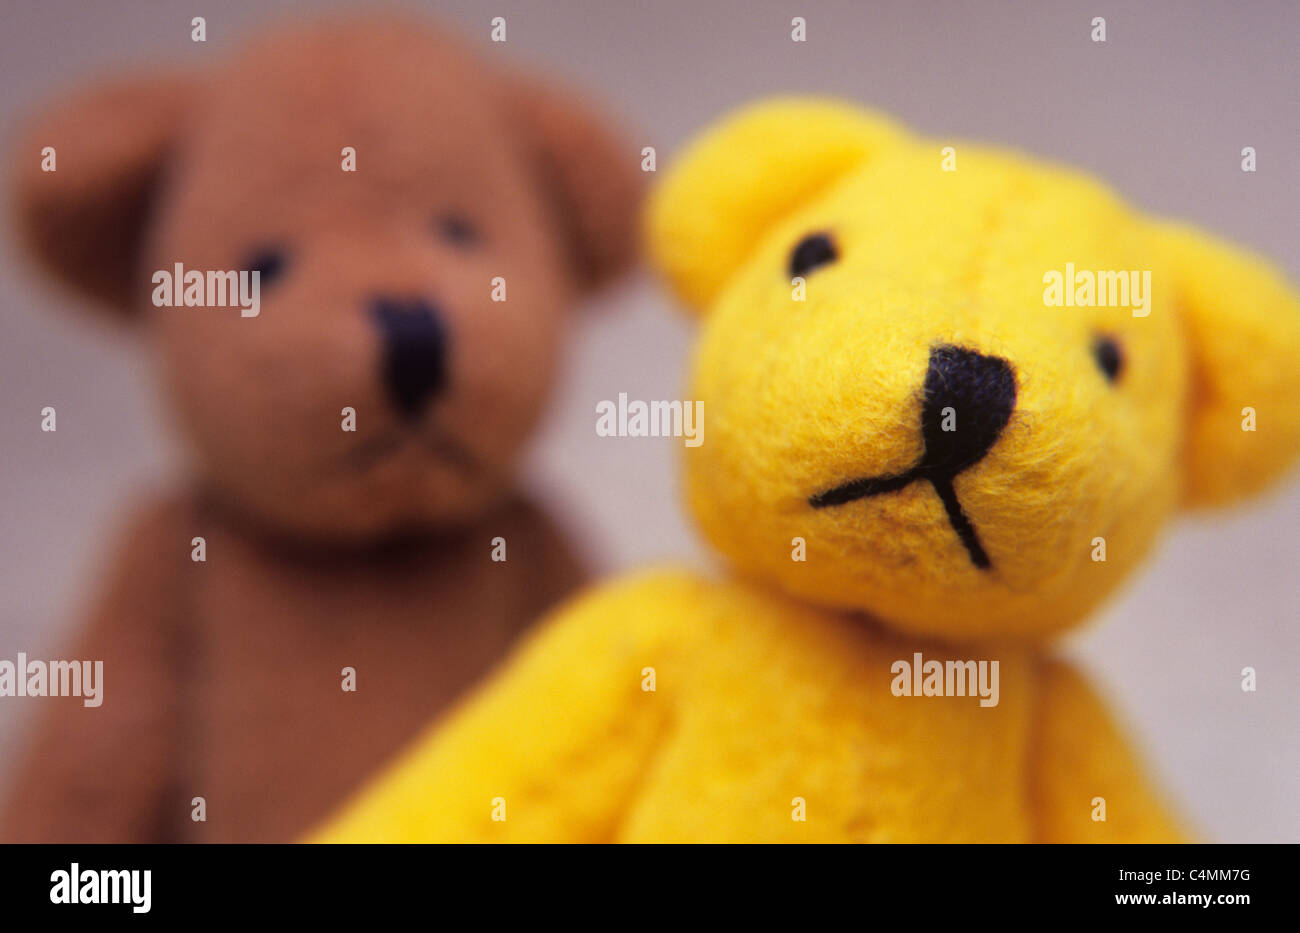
(325, 548)
(223, 679)
(85, 222)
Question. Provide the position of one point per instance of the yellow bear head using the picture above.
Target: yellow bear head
(960, 376)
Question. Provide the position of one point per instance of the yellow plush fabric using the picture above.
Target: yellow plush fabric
(1244, 321)
(773, 684)
(701, 230)
(759, 702)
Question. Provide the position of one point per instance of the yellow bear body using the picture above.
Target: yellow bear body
(769, 721)
(929, 437)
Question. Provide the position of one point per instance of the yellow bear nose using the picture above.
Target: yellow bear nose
(969, 398)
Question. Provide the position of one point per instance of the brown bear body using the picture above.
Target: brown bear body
(424, 224)
(223, 679)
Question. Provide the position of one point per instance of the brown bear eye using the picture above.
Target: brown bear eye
(269, 264)
(456, 230)
(813, 251)
(1109, 357)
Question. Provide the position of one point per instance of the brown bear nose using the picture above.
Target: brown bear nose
(414, 352)
(969, 398)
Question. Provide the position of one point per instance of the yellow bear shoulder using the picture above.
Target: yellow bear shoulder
(668, 707)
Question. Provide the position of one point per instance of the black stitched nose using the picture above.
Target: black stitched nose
(969, 398)
(414, 352)
(972, 397)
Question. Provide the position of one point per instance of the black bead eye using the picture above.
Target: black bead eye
(456, 230)
(269, 263)
(1109, 357)
(813, 251)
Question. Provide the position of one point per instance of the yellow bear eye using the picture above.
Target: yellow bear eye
(813, 251)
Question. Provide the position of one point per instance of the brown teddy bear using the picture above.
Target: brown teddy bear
(353, 429)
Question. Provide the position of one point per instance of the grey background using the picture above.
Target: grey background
(1161, 110)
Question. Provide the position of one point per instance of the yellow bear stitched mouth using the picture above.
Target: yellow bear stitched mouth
(968, 400)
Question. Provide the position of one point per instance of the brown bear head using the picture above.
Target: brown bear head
(380, 295)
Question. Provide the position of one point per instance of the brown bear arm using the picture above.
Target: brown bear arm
(553, 570)
(104, 773)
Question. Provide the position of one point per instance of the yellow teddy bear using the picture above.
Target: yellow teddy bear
(951, 395)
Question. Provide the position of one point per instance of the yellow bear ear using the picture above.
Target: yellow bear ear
(1243, 323)
(742, 176)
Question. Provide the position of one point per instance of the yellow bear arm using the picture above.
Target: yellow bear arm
(1080, 756)
(550, 749)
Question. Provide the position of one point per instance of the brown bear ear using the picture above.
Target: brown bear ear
(592, 176)
(85, 220)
